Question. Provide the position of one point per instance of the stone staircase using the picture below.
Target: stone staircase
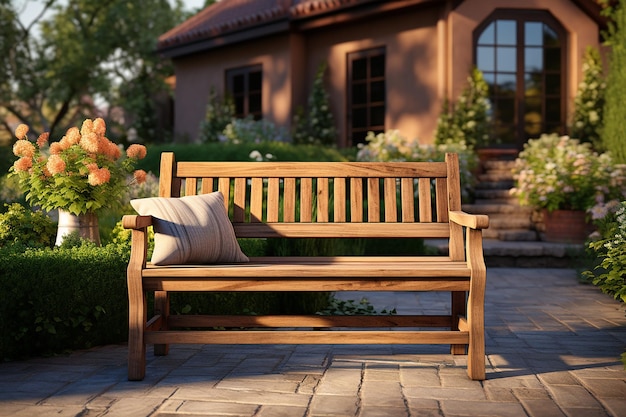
(512, 239)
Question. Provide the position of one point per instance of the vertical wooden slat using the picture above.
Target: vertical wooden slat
(256, 200)
(391, 202)
(239, 208)
(339, 200)
(223, 186)
(191, 186)
(441, 198)
(322, 200)
(356, 200)
(373, 200)
(167, 176)
(289, 200)
(425, 200)
(408, 200)
(273, 192)
(306, 200)
(206, 186)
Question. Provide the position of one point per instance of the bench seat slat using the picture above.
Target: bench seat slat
(352, 230)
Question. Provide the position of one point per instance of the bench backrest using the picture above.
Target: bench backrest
(325, 199)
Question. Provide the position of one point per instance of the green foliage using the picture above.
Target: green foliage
(559, 173)
(469, 120)
(219, 113)
(613, 133)
(19, 225)
(610, 275)
(589, 101)
(85, 49)
(318, 126)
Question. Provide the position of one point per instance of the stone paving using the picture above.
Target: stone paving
(553, 349)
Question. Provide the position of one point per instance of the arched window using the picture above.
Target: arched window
(521, 55)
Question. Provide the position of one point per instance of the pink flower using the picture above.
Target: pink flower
(55, 164)
(90, 142)
(23, 148)
(87, 127)
(23, 164)
(55, 148)
(99, 126)
(99, 177)
(136, 151)
(21, 131)
(73, 136)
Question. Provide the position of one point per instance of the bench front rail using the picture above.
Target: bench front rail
(319, 200)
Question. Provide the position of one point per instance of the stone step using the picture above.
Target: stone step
(510, 221)
(523, 254)
(496, 164)
(495, 185)
(512, 235)
(494, 194)
(491, 207)
(495, 176)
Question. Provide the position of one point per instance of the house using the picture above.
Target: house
(391, 64)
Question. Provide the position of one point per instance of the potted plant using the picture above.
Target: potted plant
(565, 179)
(79, 175)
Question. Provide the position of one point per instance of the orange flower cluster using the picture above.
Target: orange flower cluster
(83, 170)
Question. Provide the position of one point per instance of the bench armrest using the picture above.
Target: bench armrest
(136, 222)
(473, 221)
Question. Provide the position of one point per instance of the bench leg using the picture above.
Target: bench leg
(162, 307)
(137, 317)
(458, 309)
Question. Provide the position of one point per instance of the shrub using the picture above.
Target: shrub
(589, 101)
(249, 130)
(19, 225)
(392, 146)
(219, 113)
(469, 121)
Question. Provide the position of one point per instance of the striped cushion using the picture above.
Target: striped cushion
(191, 230)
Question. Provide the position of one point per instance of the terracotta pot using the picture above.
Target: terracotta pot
(86, 225)
(566, 226)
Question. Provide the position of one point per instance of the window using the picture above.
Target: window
(245, 87)
(521, 55)
(366, 94)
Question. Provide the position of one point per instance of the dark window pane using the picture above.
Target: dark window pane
(488, 36)
(255, 81)
(359, 117)
(533, 59)
(506, 59)
(552, 57)
(377, 91)
(533, 33)
(254, 104)
(553, 110)
(533, 84)
(359, 69)
(506, 32)
(238, 83)
(239, 106)
(377, 116)
(486, 58)
(553, 84)
(506, 84)
(359, 93)
(505, 110)
(378, 66)
(550, 37)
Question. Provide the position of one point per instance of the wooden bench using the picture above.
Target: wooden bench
(319, 200)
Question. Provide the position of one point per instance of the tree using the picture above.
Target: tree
(613, 133)
(84, 51)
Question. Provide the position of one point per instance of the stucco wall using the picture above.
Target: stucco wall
(196, 74)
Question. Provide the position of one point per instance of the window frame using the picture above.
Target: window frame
(229, 82)
(368, 104)
(523, 16)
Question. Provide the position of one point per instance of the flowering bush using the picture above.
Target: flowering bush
(392, 146)
(249, 130)
(589, 101)
(83, 172)
(559, 173)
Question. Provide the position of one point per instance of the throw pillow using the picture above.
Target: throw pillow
(191, 230)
